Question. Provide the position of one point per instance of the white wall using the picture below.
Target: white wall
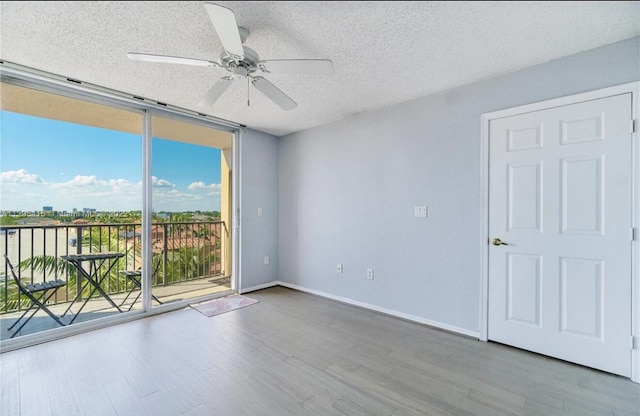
(259, 183)
(348, 191)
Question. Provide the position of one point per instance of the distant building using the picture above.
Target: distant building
(88, 210)
(47, 209)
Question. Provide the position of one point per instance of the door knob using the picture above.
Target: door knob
(498, 242)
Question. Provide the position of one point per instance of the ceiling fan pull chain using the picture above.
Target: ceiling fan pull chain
(248, 90)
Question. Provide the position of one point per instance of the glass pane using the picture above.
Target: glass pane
(70, 175)
(191, 210)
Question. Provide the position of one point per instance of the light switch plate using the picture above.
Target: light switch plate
(420, 211)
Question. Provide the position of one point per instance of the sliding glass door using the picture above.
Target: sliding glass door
(110, 207)
(70, 191)
(191, 194)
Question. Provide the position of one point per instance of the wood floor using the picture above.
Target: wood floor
(296, 354)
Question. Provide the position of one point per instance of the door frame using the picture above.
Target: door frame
(634, 89)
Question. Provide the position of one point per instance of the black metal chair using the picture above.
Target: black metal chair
(38, 293)
(135, 276)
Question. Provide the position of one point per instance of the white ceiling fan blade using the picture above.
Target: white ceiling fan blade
(274, 94)
(226, 26)
(215, 92)
(297, 66)
(145, 57)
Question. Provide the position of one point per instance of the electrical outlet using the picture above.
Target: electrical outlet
(266, 259)
(259, 212)
(420, 211)
(370, 274)
(339, 268)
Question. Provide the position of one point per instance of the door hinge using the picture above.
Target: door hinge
(634, 125)
(634, 234)
(635, 343)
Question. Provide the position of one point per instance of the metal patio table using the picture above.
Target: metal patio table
(93, 274)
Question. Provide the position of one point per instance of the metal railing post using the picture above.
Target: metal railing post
(78, 251)
(164, 254)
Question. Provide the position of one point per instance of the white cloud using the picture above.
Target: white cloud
(119, 182)
(82, 181)
(79, 192)
(175, 200)
(20, 176)
(201, 186)
(196, 185)
(103, 194)
(161, 183)
(79, 181)
(173, 195)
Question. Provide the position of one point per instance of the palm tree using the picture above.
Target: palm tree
(189, 263)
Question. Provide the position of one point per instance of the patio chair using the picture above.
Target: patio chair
(135, 276)
(38, 294)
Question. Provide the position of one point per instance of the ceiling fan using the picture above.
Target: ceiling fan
(242, 62)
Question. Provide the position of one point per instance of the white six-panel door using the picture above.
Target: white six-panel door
(560, 203)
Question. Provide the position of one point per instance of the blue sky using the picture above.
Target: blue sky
(64, 165)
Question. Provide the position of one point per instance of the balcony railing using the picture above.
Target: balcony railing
(181, 252)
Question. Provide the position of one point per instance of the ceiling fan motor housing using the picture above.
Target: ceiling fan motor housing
(249, 63)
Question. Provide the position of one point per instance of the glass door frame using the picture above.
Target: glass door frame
(232, 227)
(55, 84)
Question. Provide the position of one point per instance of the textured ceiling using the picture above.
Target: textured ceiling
(384, 53)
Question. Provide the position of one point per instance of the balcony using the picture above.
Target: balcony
(188, 261)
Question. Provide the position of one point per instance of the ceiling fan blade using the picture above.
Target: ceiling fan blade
(274, 94)
(215, 92)
(145, 57)
(297, 66)
(226, 26)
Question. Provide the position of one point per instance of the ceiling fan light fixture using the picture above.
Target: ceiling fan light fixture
(239, 72)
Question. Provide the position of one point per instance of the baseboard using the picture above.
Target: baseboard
(412, 318)
(258, 287)
(635, 369)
